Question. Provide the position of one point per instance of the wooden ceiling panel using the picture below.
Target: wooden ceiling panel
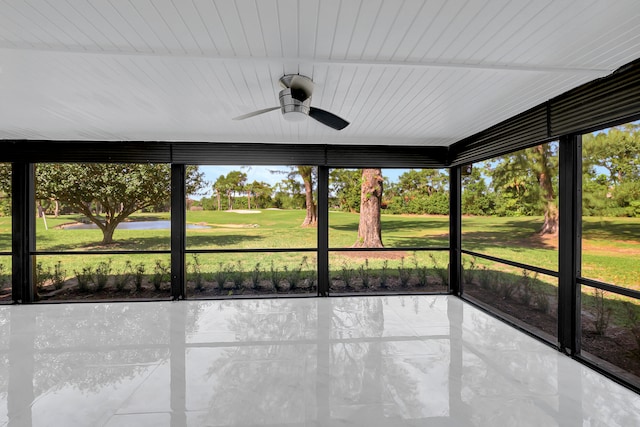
(417, 72)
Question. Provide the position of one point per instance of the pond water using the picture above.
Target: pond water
(135, 225)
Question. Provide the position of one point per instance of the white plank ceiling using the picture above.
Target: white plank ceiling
(409, 72)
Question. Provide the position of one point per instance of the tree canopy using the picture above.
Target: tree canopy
(114, 190)
(230, 184)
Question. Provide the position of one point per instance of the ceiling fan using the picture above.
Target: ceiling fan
(295, 103)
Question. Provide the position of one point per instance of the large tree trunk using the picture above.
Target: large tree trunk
(550, 225)
(56, 210)
(107, 228)
(107, 233)
(370, 229)
(311, 219)
(248, 199)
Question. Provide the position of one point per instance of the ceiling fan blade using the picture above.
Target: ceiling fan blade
(327, 118)
(255, 113)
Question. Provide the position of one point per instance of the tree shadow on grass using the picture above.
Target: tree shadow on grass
(415, 242)
(521, 226)
(5, 242)
(517, 235)
(615, 229)
(154, 243)
(397, 225)
(220, 240)
(479, 241)
(611, 230)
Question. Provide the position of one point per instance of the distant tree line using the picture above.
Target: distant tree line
(526, 182)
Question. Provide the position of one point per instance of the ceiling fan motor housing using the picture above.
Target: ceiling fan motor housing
(293, 109)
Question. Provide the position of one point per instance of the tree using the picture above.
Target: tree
(422, 181)
(261, 193)
(288, 193)
(614, 151)
(230, 184)
(220, 188)
(345, 188)
(369, 227)
(236, 181)
(290, 187)
(525, 184)
(543, 157)
(119, 189)
(249, 189)
(476, 199)
(422, 191)
(311, 218)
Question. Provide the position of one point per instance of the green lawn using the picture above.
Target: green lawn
(611, 245)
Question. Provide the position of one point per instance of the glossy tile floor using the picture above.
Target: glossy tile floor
(362, 361)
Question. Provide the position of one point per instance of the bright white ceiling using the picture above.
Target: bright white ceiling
(402, 72)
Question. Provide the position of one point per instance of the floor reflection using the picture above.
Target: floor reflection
(376, 361)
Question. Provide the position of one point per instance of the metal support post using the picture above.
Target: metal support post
(178, 231)
(569, 243)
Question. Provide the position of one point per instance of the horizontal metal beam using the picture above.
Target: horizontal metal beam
(247, 251)
(512, 263)
(632, 293)
(388, 249)
(122, 252)
(223, 153)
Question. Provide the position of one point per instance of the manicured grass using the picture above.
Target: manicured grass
(611, 245)
(398, 231)
(267, 229)
(511, 238)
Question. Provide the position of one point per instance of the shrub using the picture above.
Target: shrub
(526, 284)
(254, 277)
(139, 276)
(102, 272)
(84, 278)
(196, 271)
(542, 301)
(384, 274)
(275, 276)
(469, 271)
(220, 275)
(59, 275)
(633, 321)
(364, 274)
(442, 273)
(404, 274)
(237, 275)
(3, 277)
(602, 313)
(422, 272)
(42, 275)
(161, 273)
(123, 277)
(506, 289)
(347, 274)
